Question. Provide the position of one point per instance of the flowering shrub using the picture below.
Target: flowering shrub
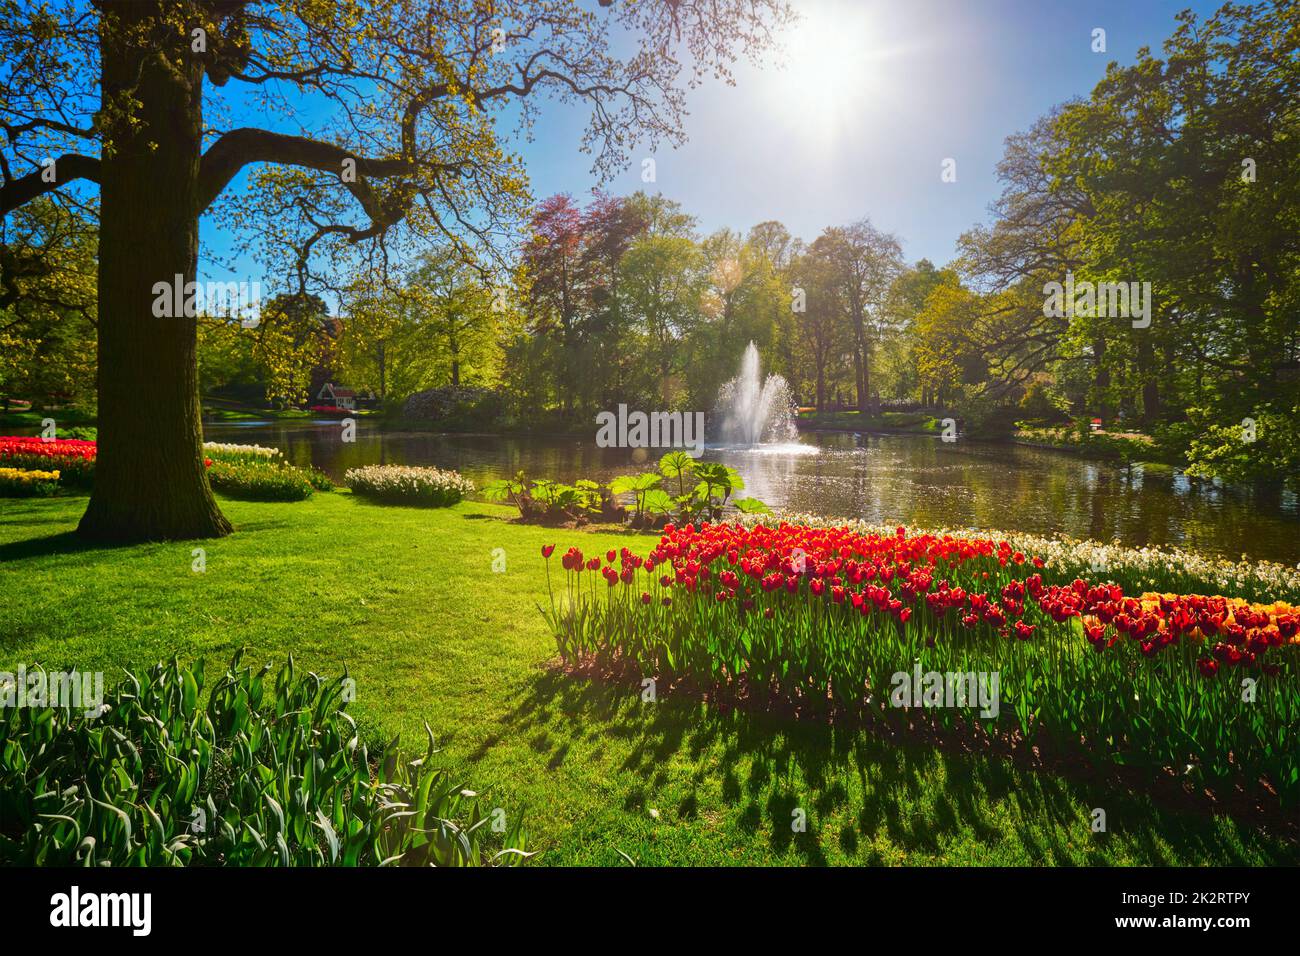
(813, 614)
(331, 410)
(16, 483)
(259, 481)
(220, 451)
(403, 485)
(454, 407)
(73, 458)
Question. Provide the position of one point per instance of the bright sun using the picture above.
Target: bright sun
(829, 70)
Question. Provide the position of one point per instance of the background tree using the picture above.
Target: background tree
(897, 360)
(228, 368)
(556, 268)
(440, 327)
(822, 335)
(865, 262)
(946, 359)
(47, 306)
(774, 248)
(661, 286)
(1199, 198)
(289, 341)
(738, 306)
(610, 226)
(461, 316)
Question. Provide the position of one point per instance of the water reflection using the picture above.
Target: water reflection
(909, 479)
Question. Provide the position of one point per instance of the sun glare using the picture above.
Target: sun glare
(829, 66)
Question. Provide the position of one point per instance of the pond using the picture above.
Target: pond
(909, 479)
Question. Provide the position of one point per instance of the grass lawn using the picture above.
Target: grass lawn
(219, 414)
(886, 421)
(408, 599)
(1126, 446)
(30, 420)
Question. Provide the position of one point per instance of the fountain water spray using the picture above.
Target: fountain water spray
(756, 411)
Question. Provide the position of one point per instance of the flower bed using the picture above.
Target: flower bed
(73, 458)
(223, 451)
(1146, 568)
(816, 614)
(402, 485)
(17, 483)
(252, 472)
(259, 481)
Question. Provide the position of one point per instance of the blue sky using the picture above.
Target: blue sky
(872, 98)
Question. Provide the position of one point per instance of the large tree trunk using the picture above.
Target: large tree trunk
(150, 482)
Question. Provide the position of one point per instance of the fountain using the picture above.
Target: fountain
(756, 411)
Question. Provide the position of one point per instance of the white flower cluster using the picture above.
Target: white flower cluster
(400, 481)
(1093, 560)
(242, 451)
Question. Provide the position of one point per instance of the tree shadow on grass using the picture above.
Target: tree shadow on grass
(379, 504)
(917, 798)
(51, 545)
(66, 543)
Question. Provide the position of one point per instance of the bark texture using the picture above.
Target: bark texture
(150, 482)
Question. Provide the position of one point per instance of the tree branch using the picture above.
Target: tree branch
(240, 147)
(24, 189)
